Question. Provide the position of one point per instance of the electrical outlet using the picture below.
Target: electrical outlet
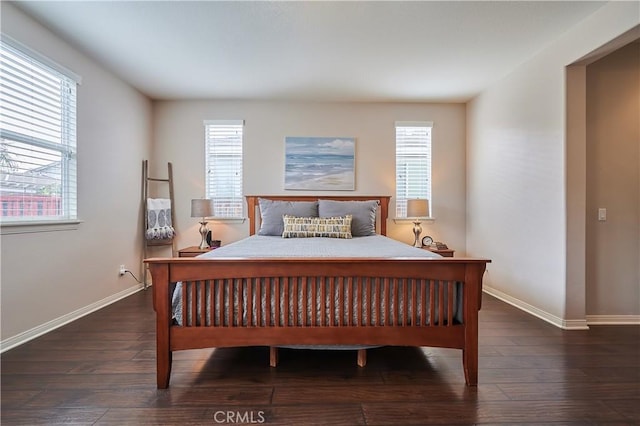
(122, 270)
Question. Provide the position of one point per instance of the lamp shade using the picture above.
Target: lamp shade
(418, 208)
(201, 207)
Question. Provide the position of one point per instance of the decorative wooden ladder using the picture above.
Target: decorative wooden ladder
(145, 196)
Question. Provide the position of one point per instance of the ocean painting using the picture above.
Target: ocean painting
(319, 163)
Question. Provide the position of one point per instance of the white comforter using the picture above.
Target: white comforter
(376, 246)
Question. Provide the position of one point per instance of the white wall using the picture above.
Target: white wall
(180, 139)
(516, 195)
(47, 276)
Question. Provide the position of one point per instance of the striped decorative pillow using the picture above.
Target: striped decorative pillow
(329, 227)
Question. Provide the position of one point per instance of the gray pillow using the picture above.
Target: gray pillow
(271, 212)
(363, 212)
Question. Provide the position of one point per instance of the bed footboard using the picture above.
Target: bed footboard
(273, 302)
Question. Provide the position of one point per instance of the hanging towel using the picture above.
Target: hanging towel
(159, 226)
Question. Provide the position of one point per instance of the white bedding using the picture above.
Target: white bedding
(376, 246)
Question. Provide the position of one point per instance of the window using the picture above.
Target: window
(413, 163)
(223, 163)
(37, 136)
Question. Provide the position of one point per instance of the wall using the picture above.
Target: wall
(179, 130)
(48, 278)
(613, 182)
(516, 194)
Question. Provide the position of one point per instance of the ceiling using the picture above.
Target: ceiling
(324, 51)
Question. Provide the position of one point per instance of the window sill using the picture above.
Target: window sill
(8, 228)
(227, 219)
(402, 220)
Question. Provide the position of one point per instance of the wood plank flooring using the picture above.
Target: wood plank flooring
(100, 370)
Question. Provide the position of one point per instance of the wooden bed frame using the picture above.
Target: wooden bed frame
(436, 277)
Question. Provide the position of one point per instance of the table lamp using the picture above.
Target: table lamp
(417, 209)
(202, 207)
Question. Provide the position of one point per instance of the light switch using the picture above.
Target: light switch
(602, 214)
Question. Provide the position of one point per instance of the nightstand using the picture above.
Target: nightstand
(193, 251)
(441, 252)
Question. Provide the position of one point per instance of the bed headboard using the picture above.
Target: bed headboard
(383, 201)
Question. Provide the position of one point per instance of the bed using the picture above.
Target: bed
(329, 293)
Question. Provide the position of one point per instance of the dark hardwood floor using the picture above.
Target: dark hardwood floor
(101, 370)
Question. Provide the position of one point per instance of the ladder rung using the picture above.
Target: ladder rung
(159, 242)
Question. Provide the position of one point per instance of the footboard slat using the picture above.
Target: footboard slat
(242, 286)
(396, 310)
(405, 302)
(340, 301)
(202, 287)
(414, 302)
(211, 317)
(369, 321)
(220, 303)
(304, 313)
(423, 301)
(267, 291)
(359, 321)
(294, 302)
(441, 305)
(184, 298)
(194, 306)
(432, 302)
(230, 309)
(314, 312)
(286, 302)
(248, 284)
(276, 318)
(378, 300)
(386, 290)
(332, 303)
(450, 306)
(350, 305)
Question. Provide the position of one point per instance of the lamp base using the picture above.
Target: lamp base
(203, 232)
(417, 230)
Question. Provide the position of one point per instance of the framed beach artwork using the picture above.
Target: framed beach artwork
(320, 163)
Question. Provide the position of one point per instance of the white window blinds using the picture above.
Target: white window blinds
(223, 157)
(413, 163)
(38, 137)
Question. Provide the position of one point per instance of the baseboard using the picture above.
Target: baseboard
(28, 335)
(613, 319)
(536, 312)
